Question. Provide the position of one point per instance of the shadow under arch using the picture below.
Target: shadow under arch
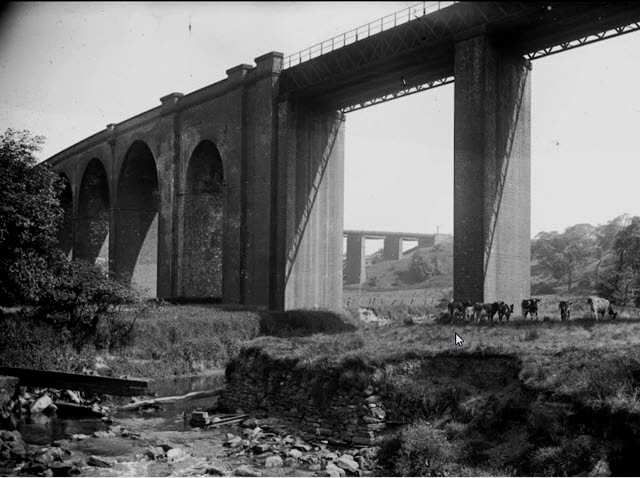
(136, 219)
(65, 231)
(203, 224)
(92, 230)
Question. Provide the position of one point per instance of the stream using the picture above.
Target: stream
(167, 426)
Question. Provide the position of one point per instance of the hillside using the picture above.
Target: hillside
(395, 275)
(387, 275)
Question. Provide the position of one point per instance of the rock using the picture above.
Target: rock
(333, 470)
(42, 404)
(175, 454)
(73, 396)
(302, 447)
(330, 456)
(294, 453)
(216, 471)
(199, 419)
(250, 423)
(346, 462)
(154, 452)
(315, 467)
(47, 472)
(261, 448)
(63, 469)
(273, 462)
(252, 432)
(99, 462)
(246, 470)
(601, 469)
(79, 436)
(104, 434)
(290, 462)
(233, 442)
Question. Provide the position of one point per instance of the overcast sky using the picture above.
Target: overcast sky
(67, 70)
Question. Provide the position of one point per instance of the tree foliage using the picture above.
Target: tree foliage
(74, 296)
(620, 277)
(30, 215)
(563, 253)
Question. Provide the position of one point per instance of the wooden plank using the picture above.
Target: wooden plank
(173, 399)
(76, 381)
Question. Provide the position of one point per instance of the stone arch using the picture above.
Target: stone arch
(203, 223)
(136, 219)
(92, 229)
(65, 231)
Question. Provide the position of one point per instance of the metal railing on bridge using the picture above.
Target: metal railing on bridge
(377, 26)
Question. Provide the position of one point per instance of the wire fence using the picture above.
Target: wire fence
(365, 31)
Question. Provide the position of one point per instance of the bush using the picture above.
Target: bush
(423, 451)
(542, 288)
(26, 341)
(86, 303)
(305, 322)
(420, 269)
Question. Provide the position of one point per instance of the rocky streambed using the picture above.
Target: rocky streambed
(160, 441)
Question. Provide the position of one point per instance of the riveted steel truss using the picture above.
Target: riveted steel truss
(411, 37)
(399, 94)
(596, 37)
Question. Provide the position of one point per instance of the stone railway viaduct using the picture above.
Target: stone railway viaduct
(236, 190)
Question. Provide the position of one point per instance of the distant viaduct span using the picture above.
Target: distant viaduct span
(236, 190)
(355, 267)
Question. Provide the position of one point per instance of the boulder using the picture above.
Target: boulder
(216, 471)
(154, 452)
(175, 454)
(294, 453)
(273, 462)
(246, 470)
(601, 469)
(333, 470)
(346, 462)
(42, 404)
(261, 448)
(99, 462)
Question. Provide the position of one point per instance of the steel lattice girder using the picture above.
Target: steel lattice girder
(370, 71)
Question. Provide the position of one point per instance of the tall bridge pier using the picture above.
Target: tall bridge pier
(235, 191)
(492, 172)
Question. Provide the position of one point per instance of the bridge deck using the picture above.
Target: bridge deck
(421, 50)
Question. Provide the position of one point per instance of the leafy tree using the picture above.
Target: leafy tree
(30, 213)
(606, 236)
(420, 269)
(375, 257)
(73, 295)
(563, 253)
(620, 279)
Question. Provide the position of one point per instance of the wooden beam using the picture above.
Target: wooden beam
(76, 381)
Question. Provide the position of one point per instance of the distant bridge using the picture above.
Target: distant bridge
(236, 190)
(355, 269)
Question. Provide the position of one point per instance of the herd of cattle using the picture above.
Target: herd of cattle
(488, 310)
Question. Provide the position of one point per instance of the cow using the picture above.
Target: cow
(504, 310)
(565, 310)
(468, 313)
(486, 309)
(530, 306)
(598, 306)
(456, 308)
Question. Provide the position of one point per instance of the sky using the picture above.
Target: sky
(69, 69)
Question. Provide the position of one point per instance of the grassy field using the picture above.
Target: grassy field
(574, 403)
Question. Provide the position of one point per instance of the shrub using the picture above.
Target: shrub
(305, 322)
(420, 269)
(423, 451)
(542, 288)
(85, 299)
